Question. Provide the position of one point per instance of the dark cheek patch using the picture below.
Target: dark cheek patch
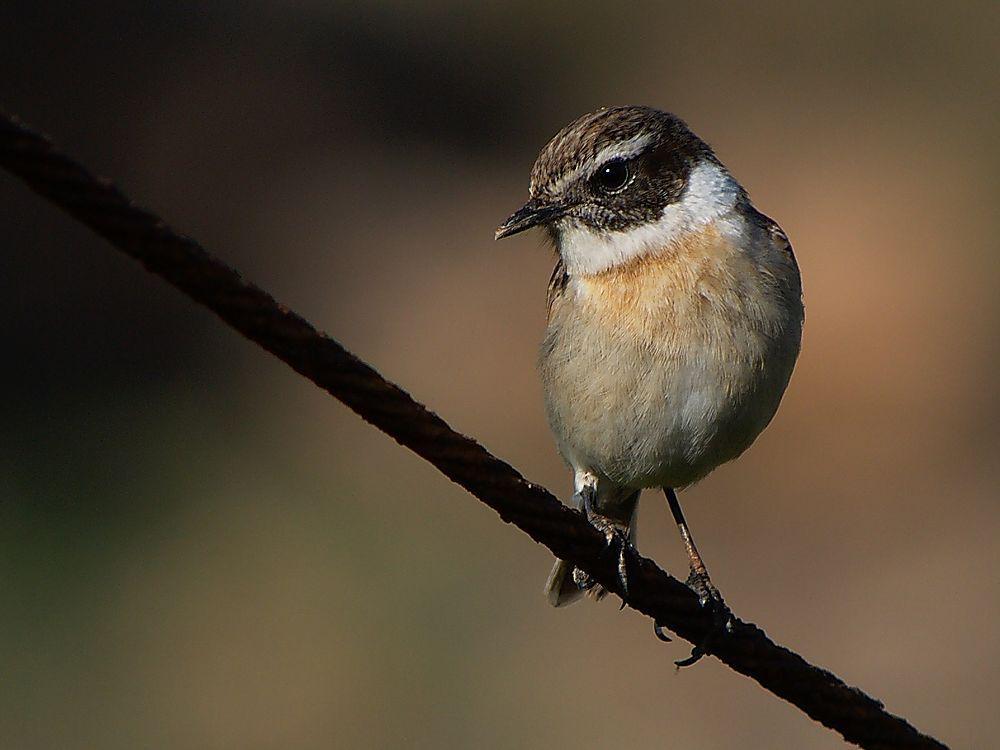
(654, 187)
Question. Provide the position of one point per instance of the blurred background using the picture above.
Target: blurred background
(200, 549)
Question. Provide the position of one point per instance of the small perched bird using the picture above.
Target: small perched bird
(674, 319)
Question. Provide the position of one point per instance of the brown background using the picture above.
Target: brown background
(198, 549)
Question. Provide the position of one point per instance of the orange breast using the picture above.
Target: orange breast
(689, 289)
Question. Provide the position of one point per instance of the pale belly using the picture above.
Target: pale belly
(657, 421)
(658, 392)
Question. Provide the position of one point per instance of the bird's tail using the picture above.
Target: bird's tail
(561, 588)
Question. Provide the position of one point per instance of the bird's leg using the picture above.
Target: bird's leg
(584, 499)
(614, 532)
(701, 583)
(698, 579)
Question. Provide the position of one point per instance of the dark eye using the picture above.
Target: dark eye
(612, 175)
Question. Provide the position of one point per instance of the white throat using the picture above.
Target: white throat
(711, 194)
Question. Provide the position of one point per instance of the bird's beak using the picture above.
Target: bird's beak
(531, 214)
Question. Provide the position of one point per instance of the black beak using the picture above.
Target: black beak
(531, 214)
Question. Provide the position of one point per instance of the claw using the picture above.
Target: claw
(722, 618)
(696, 653)
(658, 631)
(617, 542)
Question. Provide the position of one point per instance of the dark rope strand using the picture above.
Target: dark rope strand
(183, 263)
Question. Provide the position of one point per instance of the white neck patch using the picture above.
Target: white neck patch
(711, 193)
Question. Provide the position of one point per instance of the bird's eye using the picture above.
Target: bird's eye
(612, 175)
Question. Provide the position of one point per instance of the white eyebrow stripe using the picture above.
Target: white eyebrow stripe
(621, 150)
(624, 150)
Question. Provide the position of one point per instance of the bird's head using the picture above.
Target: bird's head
(622, 182)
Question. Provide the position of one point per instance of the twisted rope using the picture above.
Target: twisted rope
(183, 263)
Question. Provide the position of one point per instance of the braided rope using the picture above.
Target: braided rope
(183, 263)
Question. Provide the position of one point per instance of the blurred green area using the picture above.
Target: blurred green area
(200, 550)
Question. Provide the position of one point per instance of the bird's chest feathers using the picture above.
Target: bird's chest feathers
(695, 299)
(656, 370)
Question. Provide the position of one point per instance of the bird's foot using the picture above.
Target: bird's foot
(722, 618)
(617, 544)
(616, 537)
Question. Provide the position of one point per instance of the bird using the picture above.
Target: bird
(674, 322)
